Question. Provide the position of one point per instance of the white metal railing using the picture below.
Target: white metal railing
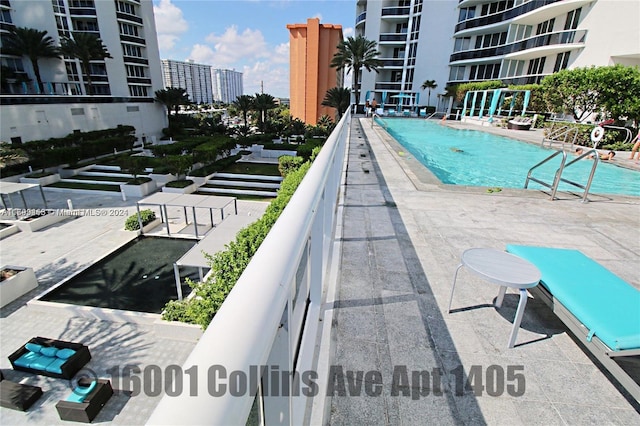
(270, 318)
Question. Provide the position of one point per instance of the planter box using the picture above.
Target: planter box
(17, 285)
(65, 173)
(39, 222)
(186, 190)
(43, 181)
(9, 230)
(139, 190)
(162, 179)
(149, 226)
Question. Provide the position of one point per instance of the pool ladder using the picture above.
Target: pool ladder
(558, 175)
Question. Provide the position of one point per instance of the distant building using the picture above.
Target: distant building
(122, 88)
(194, 78)
(312, 46)
(227, 85)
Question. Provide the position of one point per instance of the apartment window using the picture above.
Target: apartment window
(417, 6)
(396, 76)
(58, 6)
(398, 53)
(413, 50)
(545, 27)
(536, 66)
(135, 71)
(126, 8)
(573, 18)
(519, 32)
(512, 68)
(402, 28)
(90, 26)
(72, 71)
(131, 50)
(101, 89)
(5, 16)
(466, 13)
(98, 69)
(562, 60)
(82, 3)
(128, 29)
(13, 64)
(456, 73)
(461, 44)
(137, 91)
(495, 7)
(484, 72)
(490, 40)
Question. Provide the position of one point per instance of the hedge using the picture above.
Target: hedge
(229, 264)
(132, 224)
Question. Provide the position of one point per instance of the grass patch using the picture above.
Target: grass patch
(183, 183)
(102, 178)
(91, 186)
(252, 169)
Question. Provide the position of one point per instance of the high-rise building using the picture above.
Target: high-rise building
(194, 78)
(312, 46)
(520, 42)
(414, 41)
(227, 85)
(119, 90)
(516, 41)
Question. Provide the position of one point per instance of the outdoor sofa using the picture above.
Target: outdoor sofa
(50, 357)
(85, 401)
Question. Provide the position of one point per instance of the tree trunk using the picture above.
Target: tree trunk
(36, 71)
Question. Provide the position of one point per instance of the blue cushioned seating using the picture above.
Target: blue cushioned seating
(55, 366)
(41, 362)
(33, 347)
(603, 302)
(80, 393)
(50, 357)
(26, 359)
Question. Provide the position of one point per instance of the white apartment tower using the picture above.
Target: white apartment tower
(122, 88)
(194, 78)
(414, 40)
(227, 85)
(522, 41)
(516, 41)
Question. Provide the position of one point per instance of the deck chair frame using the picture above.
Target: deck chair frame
(600, 350)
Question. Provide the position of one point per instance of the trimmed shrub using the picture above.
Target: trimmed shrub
(132, 224)
(183, 183)
(287, 164)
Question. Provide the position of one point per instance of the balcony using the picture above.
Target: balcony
(135, 60)
(560, 38)
(503, 16)
(361, 18)
(389, 85)
(128, 17)
(50, 88)
(393, 38)
(396, 12)
(82, 11)
(392, 62)
(133, 39)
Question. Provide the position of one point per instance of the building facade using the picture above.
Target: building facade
(227, 85)
(311, 48)
(414, 41)
(515, 41)
(122, 87)
(521, 42)
(194, 78)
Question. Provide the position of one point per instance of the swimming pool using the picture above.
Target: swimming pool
(475, 158)
(137, 277)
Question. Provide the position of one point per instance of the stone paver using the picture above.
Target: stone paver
(403, 234)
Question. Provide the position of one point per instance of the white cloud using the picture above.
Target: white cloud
(348, 32)
(274, 79)
(233, 46)
(280, 54)
(170, 24)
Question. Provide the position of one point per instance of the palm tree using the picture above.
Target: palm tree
(262, 103)
(33, 44)
(10, 155)
(353, 54)
(429, 84)
(86, 47)
(243, 103)
(338, 98)
(172, 98)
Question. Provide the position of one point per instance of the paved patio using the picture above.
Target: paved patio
(403, 234)
(58, 252)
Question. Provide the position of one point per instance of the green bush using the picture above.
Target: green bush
(183, 183)
(147, 216)
(229, 264)
(288, 164)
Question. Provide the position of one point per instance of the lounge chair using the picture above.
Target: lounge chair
(406, 113)
(423, 112)
(85, 401)
(599, 307)
(520, 123)
(391, 112)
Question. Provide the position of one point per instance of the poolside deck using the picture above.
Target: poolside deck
(403, 234)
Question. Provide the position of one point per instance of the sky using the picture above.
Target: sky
(250, 36)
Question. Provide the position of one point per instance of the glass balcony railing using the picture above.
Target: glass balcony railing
(503, 16)
(396, 11)
(549, 39)
(361, 18)
(48, 89)
(392, 62)
(393, 37)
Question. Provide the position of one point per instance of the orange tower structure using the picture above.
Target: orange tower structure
(312, 46)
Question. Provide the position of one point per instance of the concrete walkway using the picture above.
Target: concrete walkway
(403, 234)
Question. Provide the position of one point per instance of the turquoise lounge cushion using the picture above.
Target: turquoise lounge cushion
(80, 393)
(55, 366)
(26, 359)
(49, 351)
(608, 306)
(33, 347)
(65, 353)
(41, 362)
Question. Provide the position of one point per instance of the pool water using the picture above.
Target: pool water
(475, 158)
(137, 277)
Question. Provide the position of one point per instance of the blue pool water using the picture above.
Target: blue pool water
(471, 157)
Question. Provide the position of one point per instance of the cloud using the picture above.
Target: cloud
(348, 32)
(275, 79)
(170, 24)
(232, 46)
